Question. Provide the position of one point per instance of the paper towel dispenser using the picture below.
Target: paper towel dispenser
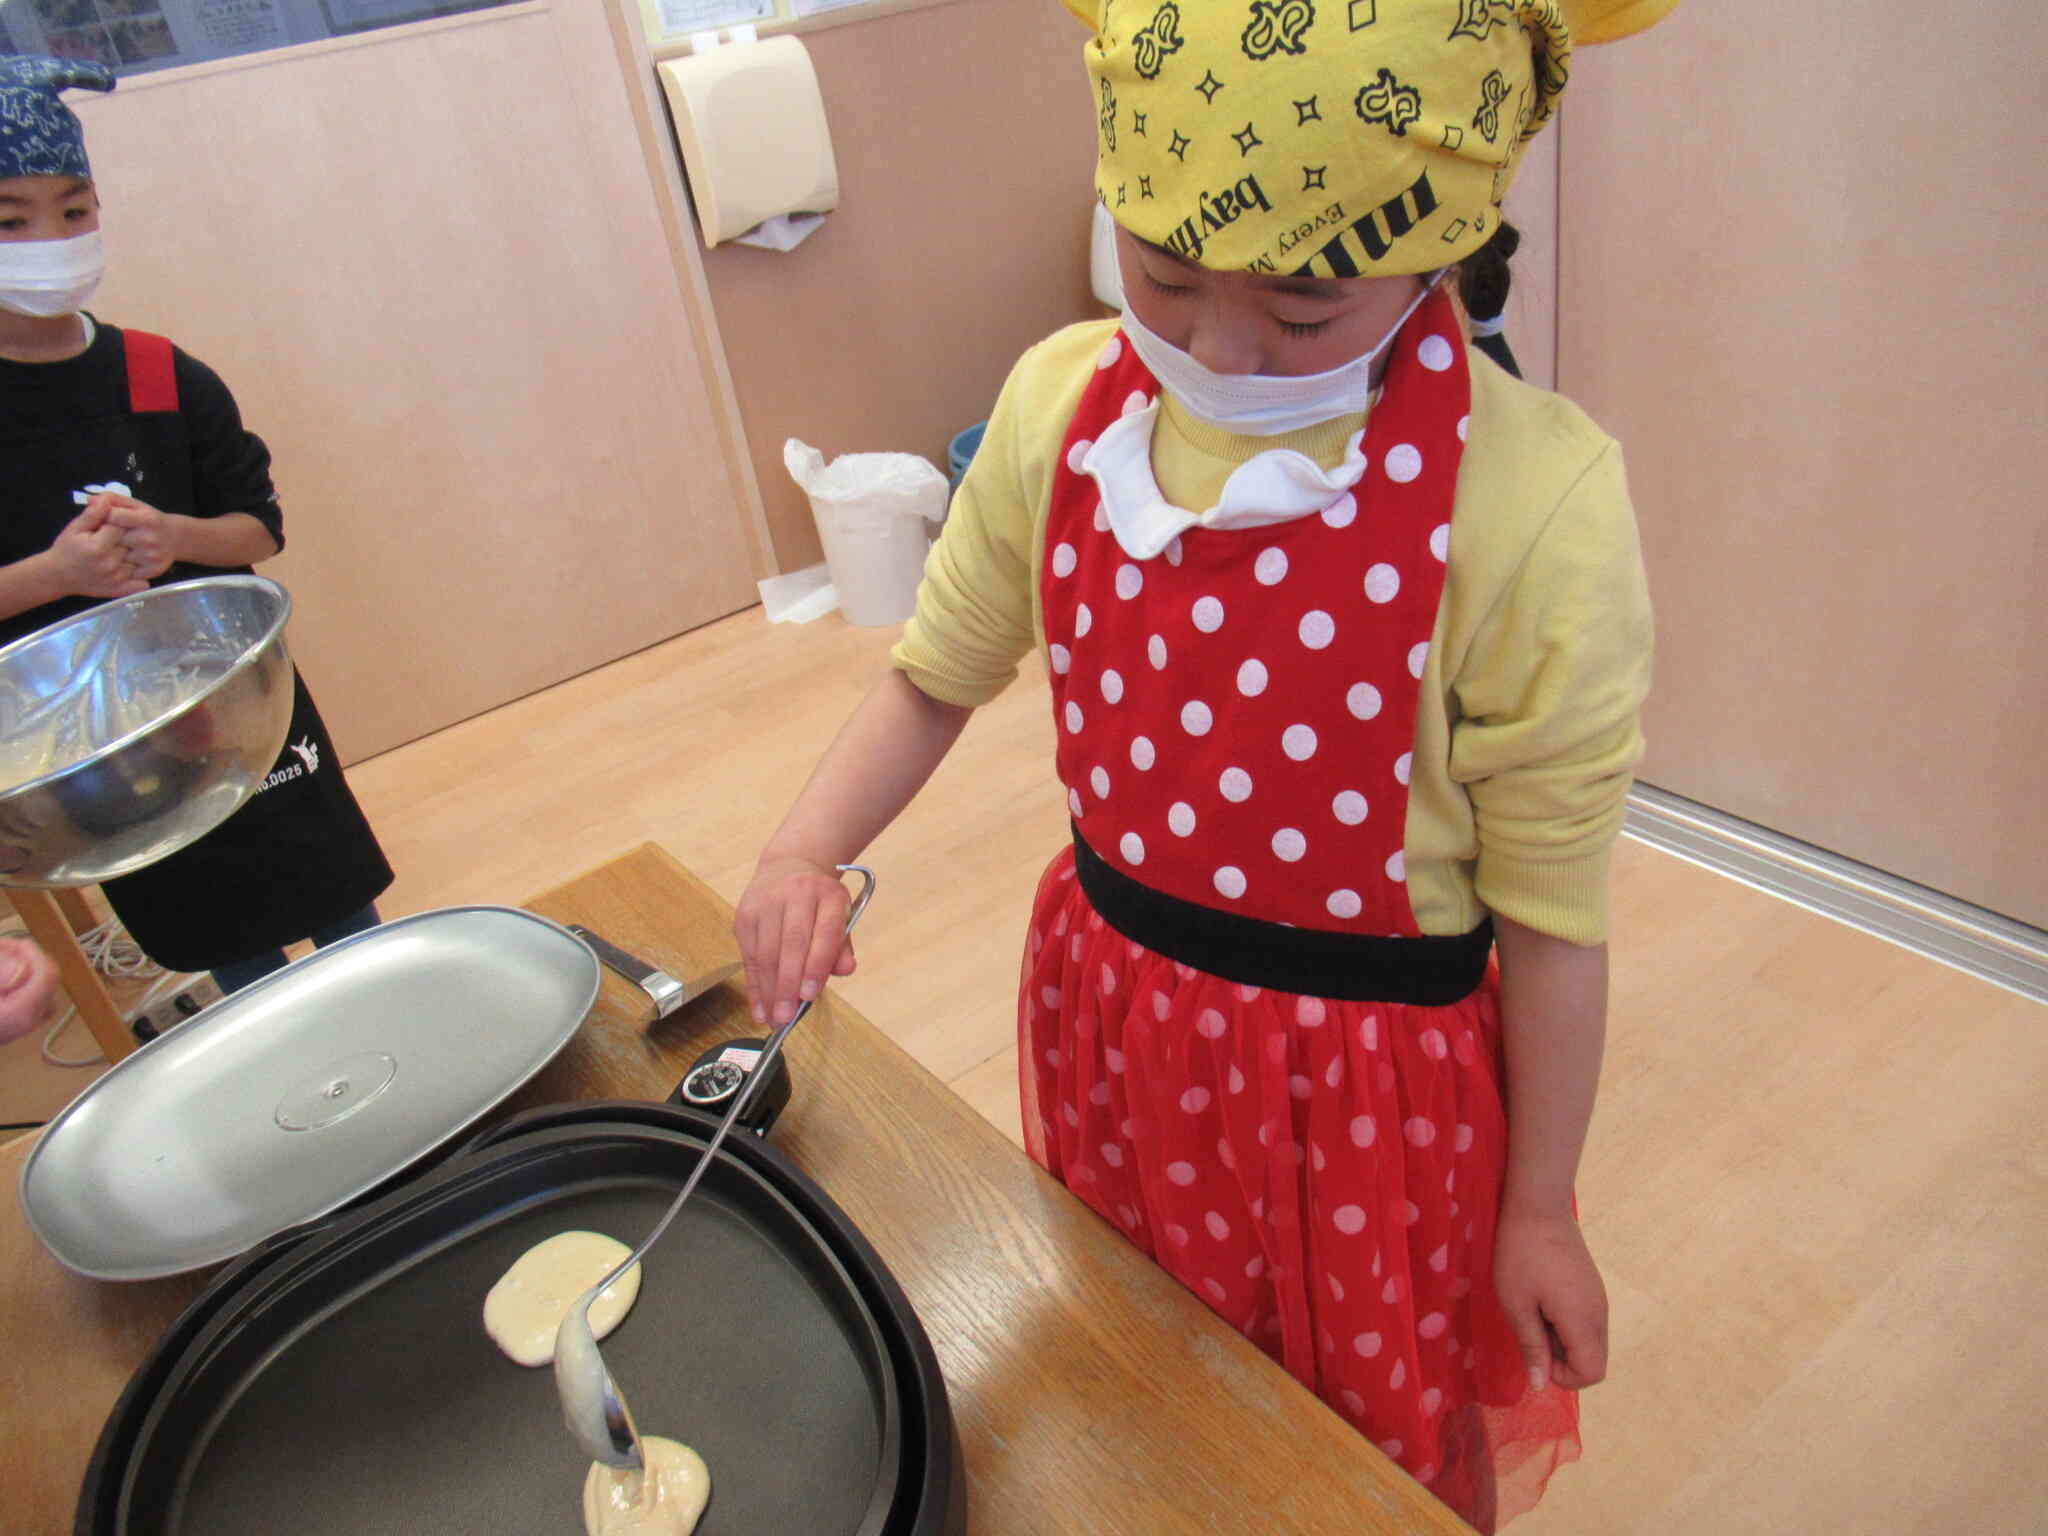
(751, 125)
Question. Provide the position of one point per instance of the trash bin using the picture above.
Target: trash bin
(961, 453)
(872, 510)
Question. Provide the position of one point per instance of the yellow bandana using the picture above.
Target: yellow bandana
(1326, 138)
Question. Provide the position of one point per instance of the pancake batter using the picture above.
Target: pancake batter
(527, 1305)
(666, 1499)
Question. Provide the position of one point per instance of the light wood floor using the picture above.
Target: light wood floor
(1817, 1182)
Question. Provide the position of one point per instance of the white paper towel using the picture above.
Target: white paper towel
(751, 125)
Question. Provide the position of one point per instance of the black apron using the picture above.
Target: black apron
(300, 854)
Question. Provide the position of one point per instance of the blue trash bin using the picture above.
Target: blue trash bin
(961, 454)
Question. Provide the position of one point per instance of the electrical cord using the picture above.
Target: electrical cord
(111, 952)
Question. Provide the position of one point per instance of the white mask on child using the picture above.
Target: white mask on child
(1263, 404)
(47, 278)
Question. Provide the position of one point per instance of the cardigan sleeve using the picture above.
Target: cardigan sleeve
(1548, 702)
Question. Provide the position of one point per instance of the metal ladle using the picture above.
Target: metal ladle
(592, 1405)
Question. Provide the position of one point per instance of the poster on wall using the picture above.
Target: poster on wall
(670, 19)
(134, 36)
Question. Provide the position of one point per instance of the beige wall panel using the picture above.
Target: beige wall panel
(431, 267)
(966, 152)
(1800, 272)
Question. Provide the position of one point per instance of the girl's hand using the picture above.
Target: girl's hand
(1554, 1298)
(28, 980)
(147, 533)
(89, 558)
(791, 924)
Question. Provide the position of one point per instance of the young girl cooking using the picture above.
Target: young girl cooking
(128, 466)
(1347, 636)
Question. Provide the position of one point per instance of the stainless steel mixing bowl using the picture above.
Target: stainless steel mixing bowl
(136, 728)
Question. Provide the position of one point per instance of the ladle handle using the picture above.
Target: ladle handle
(744, 1097)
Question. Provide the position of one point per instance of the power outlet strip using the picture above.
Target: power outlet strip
(169, 1012)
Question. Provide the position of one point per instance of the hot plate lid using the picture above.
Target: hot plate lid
(300, 1093)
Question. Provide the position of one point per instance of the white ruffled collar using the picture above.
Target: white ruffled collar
(1276, 486)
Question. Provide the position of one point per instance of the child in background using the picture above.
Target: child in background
(128, 466)
(1348, 637)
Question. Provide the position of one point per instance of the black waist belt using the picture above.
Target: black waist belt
(1356, 967)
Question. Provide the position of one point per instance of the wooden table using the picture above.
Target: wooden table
(1093, 1394)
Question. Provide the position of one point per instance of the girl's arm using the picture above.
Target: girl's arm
(790, 921)
(1554, 1027)
(156, 540)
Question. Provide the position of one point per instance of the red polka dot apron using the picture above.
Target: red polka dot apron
(1235, 1044)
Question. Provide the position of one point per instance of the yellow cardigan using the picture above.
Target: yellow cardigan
(1528, 728)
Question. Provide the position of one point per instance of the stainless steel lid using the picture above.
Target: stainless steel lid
(297, 1094)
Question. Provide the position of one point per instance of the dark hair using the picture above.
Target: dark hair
(1483, 277)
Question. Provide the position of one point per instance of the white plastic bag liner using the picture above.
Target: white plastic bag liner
(871, 510)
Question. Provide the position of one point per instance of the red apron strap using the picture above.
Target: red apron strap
(152, 377)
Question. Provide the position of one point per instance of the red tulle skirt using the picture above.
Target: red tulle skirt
(1324, 1174)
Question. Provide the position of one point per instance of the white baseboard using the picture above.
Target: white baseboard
(2008, 953)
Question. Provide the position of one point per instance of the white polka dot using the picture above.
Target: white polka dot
(1367, 1345)
(1440, 541)
(1315, 1156)
(1435, 353)
(1234, 785)
(1353, 1403)
(1333, 1074)
(1077, 453)
(1062, 658)
(1112, 1154)
(1392, 1448)
(1180, 819)
(1099, 1094)
(1162, 1005)
(1229, 881)
(1317, 629)
(1398, 1377)
(1382, 582)
(1404, 463)
(1155, 652)
(1349, 807)
(1218, 1227)
(1403, 766)
(1348, 1219)
(1195, 1100)
(1271, 567)
(1207, 615)
(1300, 1087)
(1215, 1291)
(1343, 904)
(1067, 1113)
(1369, 1031)
(1113, 1059)
(1418, 654)
(1298, 742)
(1310, 1012)
(1174, 553)
(1397, 866)
(1107, 357)
(1462, 1139)
(1132, 847)
(1113, 686)
(1101, 518)
(1084, 620)
(1099, 782)
(1210, 1024)
(1142, 754)
(1074, 717)
(1289, 845)
(1135, 402)
(1196, 718)
(1127, 1214)
(1433, 1044)
(1236, 1081)
(1363, 1130)
(1251, 678)
(1130, 581)
(1074, 802)
(1182, 1174)
(1363, 700)
(1064, 560)
(1177, 1235)
(1255, 1267)
(1421, 1132)
(1464, 427)
(1341, 512)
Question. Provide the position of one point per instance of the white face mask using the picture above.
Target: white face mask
(1261, 404)
(47, 278)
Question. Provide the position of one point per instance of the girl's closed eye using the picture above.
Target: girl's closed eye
(1304, 327)
(1159, 285)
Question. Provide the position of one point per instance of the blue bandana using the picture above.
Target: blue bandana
(39, 135)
